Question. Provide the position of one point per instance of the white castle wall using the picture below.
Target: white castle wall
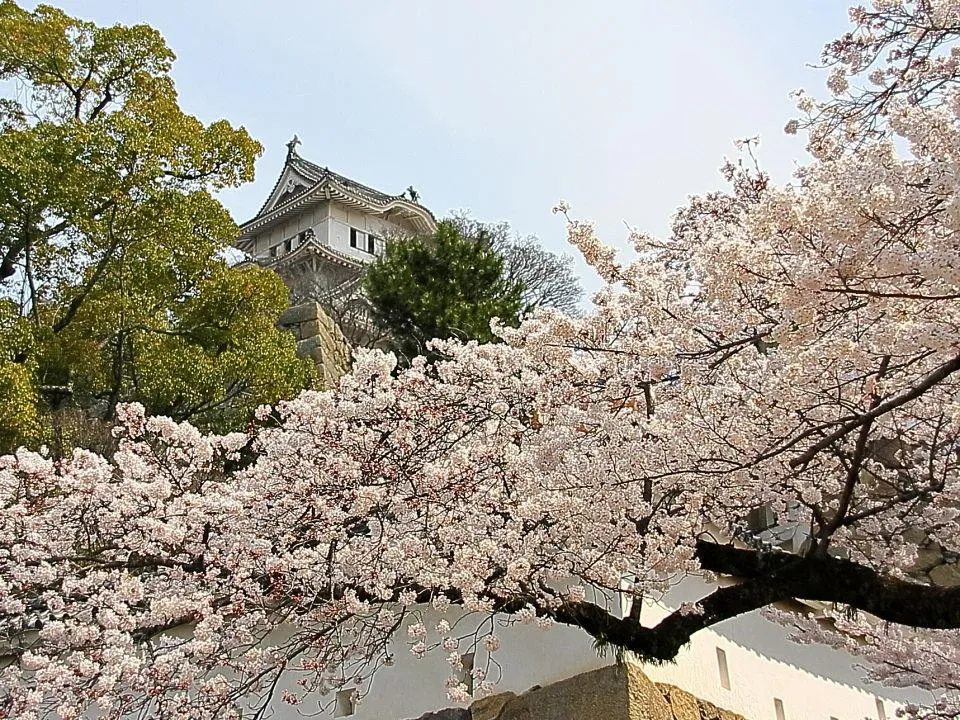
(410, 687)
(812, 682)
(331, 223)
(315, 217)
(343, 218)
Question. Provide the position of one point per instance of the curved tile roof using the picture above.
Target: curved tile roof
(318, 175)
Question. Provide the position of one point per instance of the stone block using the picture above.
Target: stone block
(310, 328)
(646, 702)
(328, 375)
(306, 347)
(682, 704)
(327, 338)
(708, 711)
(320, 339)
(727, 715)
(447, 714)
(490, 708)
(946, 575)
(927, 558)
(301, 313)
(914, 535)
(616, 692)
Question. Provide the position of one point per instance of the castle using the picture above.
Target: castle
(318, 228)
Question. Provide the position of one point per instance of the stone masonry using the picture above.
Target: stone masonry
(318, 338)
(616, 692)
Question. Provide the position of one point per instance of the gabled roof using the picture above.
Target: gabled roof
(312, 247)
(303, 252)
(302, 182)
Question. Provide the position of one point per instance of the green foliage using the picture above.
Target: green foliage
(448, 285)
(18, 395)
(111, 238)
(209, 351)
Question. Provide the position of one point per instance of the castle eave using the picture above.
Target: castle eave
(330, 189)
(314, 249)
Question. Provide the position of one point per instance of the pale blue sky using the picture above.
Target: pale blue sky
(502, 107)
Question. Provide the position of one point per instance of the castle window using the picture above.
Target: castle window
(346, 703)
(362, 241)
(288, 245)
(722, 667)
(778, 708)
(301, 237)
(274, 250)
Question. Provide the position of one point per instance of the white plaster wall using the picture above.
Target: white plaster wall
(813, 682)
(331, 223)
(315, 217)
(529, 657)
(343, 218)
(410, 687)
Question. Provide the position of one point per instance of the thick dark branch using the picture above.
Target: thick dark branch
(662, 642)
(880, 294)
(831, 579)
(8, 262)
(768, 578)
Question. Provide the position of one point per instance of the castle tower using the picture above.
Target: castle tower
(318, 228)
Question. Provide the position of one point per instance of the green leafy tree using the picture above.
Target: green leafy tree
(446, 285)
(19, 418)
(111, 240)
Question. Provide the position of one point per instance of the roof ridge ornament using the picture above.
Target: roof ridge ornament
(292, 146)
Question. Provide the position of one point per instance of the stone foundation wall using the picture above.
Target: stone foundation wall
(319, 339)
(616, 692)
(933, 563)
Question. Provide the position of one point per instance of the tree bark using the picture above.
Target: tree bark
(767, 578)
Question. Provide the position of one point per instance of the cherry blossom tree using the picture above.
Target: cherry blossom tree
(787, 346)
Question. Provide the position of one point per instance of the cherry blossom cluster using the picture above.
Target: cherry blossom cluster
(166, 581)
(789, 346)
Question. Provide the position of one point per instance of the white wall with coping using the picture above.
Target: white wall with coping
(813, 682)
(342, 219)
(411, 687)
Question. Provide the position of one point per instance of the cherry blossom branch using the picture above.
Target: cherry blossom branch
(928, 381)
